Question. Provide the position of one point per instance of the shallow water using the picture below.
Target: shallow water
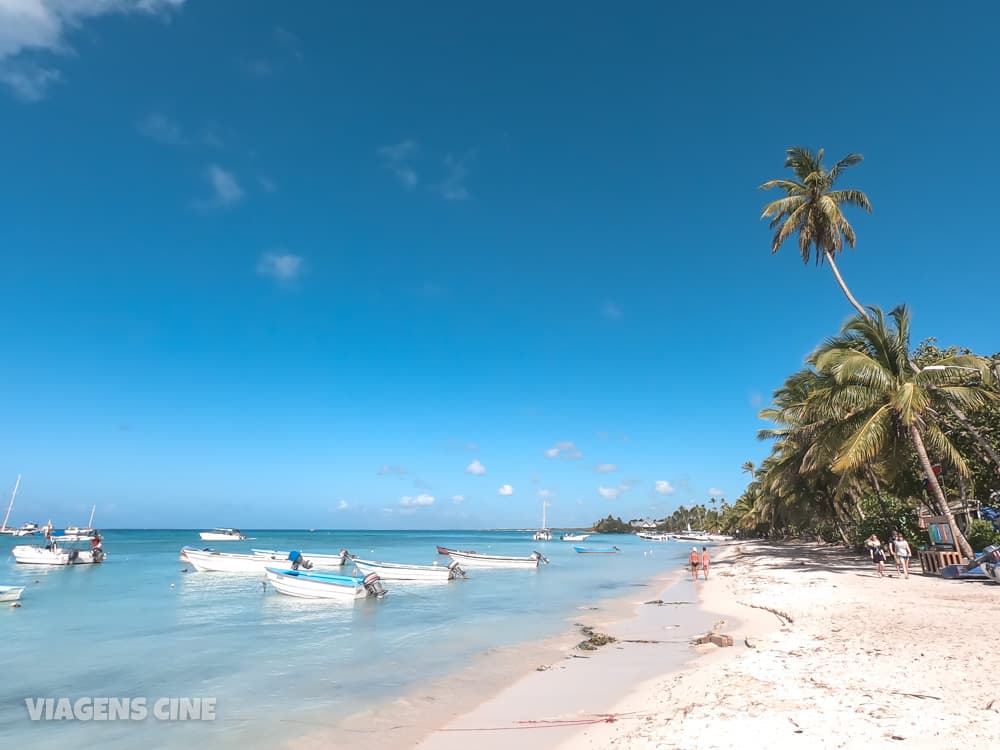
(137, 626)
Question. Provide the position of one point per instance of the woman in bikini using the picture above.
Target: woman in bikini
(695, 559)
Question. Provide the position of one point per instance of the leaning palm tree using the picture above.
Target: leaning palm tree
(812, 209)
(875, 399)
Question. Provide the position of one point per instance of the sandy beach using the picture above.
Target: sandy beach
(825, 654)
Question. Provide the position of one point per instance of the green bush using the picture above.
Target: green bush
(981, 534)
(887, 516)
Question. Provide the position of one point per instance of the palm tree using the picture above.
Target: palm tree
(812, 208)
(875, 397)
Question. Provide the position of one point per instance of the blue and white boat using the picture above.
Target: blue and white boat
(10, 593)
(597, 550)
(325, 586)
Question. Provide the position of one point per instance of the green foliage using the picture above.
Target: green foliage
(885, 516)
(611, 525)
(982, 534)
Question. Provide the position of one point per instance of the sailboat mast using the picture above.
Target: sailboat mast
(544, 505)
(10, 507)
(90, 523)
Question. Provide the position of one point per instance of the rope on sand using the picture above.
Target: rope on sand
(550, 723)
(776, 612)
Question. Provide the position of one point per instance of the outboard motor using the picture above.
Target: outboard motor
(374, 586)
(989, 554)
(454, 568)
(538, 556)
(298, 561)
(344, 556)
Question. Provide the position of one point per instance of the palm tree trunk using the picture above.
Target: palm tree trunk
(843, 287)
(960, 541)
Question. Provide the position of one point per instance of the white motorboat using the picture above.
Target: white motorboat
(324, 585)
(77, 534)
(568, 537)
(472, 559)
(27, 529)
(318, 560)
(227, 562)
(53, 554)
(653, 536)
(222, 535)
(10, 593)
(388, 571)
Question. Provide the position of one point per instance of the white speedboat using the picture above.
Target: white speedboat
(574, 537)
(222, 535)
(226, 562)
(324, 585)
(10, 593)
(653, 536)
(27, 529)
(53, 554)
(318, 560)
(472, 559)
(78, 534)
(388, 571)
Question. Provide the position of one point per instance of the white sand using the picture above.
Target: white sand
(866, 662)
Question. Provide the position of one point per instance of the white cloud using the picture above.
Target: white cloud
(506, 490)
(564, 449)
(458, 499)
(715, 492)
(453, 187)
(476, 467)
(610, 493)
(162, 129)
(397, 159)
(423, 499)
(663, 487)
(280, 266)
(29, 27)
(343, 505)
(225, 185)
(605, 468)
(612, 311)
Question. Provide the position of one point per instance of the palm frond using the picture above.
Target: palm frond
(851, 198)
(863, 447)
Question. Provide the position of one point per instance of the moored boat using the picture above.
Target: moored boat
(597, 550)
(10, 593)
(53, 554)
(27, 529)
(570, 537)
(209, 560)
(319, 560)
(469, 559)
(388, 571)
(324, 585)
(78, 534)
(222, 535)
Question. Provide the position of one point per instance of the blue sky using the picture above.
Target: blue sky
(303, 265)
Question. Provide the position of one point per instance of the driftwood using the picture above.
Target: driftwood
(719, 639)
(782, 616)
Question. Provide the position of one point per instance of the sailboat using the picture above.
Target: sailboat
(543, 534)
(76, 534)
(25, 530)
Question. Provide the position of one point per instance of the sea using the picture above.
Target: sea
(144, 625)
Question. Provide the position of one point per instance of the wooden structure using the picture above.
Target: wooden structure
(941, 550)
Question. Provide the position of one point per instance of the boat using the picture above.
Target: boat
(469, 559)
(388, 571)
(27, 529)
(76, 534)
(447, 551)
(234, 562)
(222, 535)
(989, 561)
(569, 537)
(324, 585)
(597, 550)
(53, 554)
(318, 560)
(653, 536)
(10, 593)
(543, 534)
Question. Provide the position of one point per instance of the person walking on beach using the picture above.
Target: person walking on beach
(705, 562)
(903, 554)
(877, 554)
(695, 560)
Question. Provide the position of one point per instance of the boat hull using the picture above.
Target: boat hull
(10, 593)
(403, 572)
(316, 585)
(597, 550)
(210, 561)
(28, 554)
(318, 560)
(212, 536)
(574, 537)
(479, 560)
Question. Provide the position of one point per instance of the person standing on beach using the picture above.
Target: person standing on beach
(695, 560)
(705, 562)
(877, 554)
(903, 554)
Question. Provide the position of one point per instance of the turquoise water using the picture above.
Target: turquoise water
(137, 626)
